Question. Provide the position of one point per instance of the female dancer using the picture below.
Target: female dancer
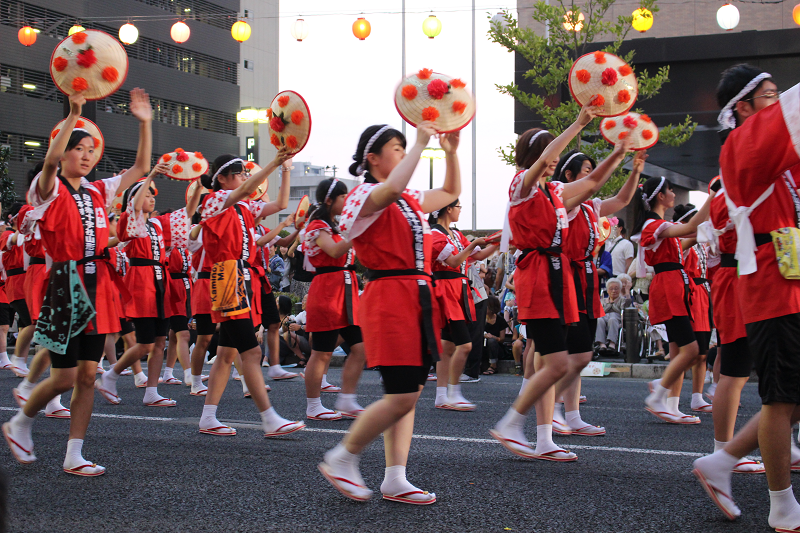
(670, 290)
(177, 308)
(332, 309)
(71, 214)
(452, 250)
(695, 263)
(147, 240)
(579, 246)
(14, 265)
(397, 308)
(229, 243)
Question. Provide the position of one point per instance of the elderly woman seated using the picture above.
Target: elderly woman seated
(608, 326)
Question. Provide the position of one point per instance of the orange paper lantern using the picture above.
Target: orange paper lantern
(26, 35)
(361, 28)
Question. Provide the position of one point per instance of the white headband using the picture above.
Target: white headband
(689, 212)
(649, 199)
(530, 143)
(223, 167)
(363, 166)
(83, 130)
(726, 117)
(330, 189)
(573, 156)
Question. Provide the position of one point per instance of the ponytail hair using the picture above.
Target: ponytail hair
(644, 200)
(681, 210)
(321, 210)
(360, 166)
(433, 218)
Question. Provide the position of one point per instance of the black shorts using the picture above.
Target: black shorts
(6, 314)
(775, 345)
(580, 336)
(549, 335)
(325, 341)
(703, 340)
(679, 330)
(204, 325)
(179, 323)
(82, 347)
(737, 360)
(149, 328)
(125, 326)
(23, 315)
(239, 334)
(405, 379)
(269, 309)
(457, 332)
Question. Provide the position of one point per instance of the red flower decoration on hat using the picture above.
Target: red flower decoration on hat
(197, 167)
(609, 77)
(250, 165)
(166, 158)
(110, 74)
(456, 83)
(647, 135)
(79, 38)
(430, 113)
(598, 100)
(409, 92)
(80, 124)
(630, 122)
(177, 169)
(269, 112)
(182, 157)
(624, 96)
(625, 70)
(623, 135)
(80, 84)
(424, 73)
(645, 118)
(198, 155)
(291, 142)
(437, 88)
(60, 63)
(459, 107)
(583, 75)
(53, 135)
(273, 139)
(277, 124)
(599, 57)
(178, 150)
(96, 142)
(297, 117)
(283, 100)
(611, 124)
(86, 58)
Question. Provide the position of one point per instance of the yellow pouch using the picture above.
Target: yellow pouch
(228, 292)
(787, 251)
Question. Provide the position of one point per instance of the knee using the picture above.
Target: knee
(83, 380)
(146, 348)
(558, 365)
(183, 336)
(579, 362)
(465, 348)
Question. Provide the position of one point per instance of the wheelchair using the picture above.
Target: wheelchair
(645, 343)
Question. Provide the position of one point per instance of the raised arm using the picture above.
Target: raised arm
(554, 149)
(194, 201)
(138, 199)
(58, 146)
(289, 239)
(682, 230)
(264, 239)
(141, 109)
(390, 190)
(455, 261)
(451, 190)
(579, 191)
(331, 247)
(282, 202)
(625, 194)
(250, 185)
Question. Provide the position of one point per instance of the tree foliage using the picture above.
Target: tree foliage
(551, 54)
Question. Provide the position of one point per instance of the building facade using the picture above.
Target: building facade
(305, 178)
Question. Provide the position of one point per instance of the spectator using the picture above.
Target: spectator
(277, 266)
(627, 284)
(293, 343)
(621, 250)
(608, 326)
(494, 335)
(604, 268)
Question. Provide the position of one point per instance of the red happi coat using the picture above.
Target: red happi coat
(538, 222)
(579, 245)
(725, 288)
(390, 311)
(119, 262)
(14, 264)
(179, 283)
(38, 274)
(201, 274)
(452, 285)
(695, 262)
(327, 307)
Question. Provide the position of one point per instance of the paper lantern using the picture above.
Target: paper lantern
(361, 28)
(240, 31)
(75, 29)
(728, 17)
(180, 32)
(642, 20)
(128, 33)
(573, 23)
(500, 20)
(26, 35)
(796, 14)
(432, 26)
(299, 29)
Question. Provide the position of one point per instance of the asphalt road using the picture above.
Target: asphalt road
(163, 475)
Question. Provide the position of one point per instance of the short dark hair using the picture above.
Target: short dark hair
(526, 154)
(733, 80)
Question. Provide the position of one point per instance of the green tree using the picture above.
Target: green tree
(7, 194)
(551, 56)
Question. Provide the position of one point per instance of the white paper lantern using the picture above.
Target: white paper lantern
(500, 20)
(128, 33)
(300, 29)
(180, 32)
(728, 17)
